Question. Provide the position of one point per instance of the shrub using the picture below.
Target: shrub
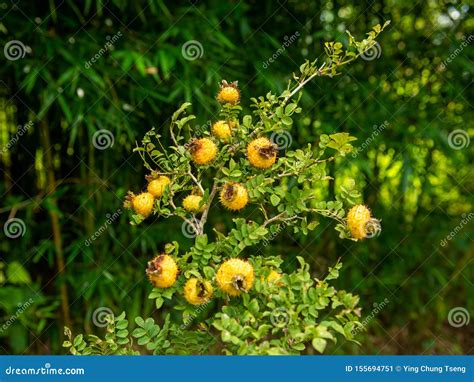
(231, 298)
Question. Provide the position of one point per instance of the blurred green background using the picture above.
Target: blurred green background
(83, 66)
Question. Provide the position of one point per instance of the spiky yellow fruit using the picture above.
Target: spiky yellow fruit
(157, 186)
(142, 203)
(262, 152)
(358, 218)
(234, 196)
(191, 203)
(203, 151)
(235, 276)
(162, 271)
(228, 93)
(222, 129)
(198, 292)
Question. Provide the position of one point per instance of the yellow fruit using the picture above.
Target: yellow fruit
(273, 276)
(191, 203)
(222, 129)
(262, 153)
(228, 93)
(142, 203)
(357, 219)
(162, 271)
(157, 186)
(235, 276)
(198, 292)
(203, 151)
(234, 196)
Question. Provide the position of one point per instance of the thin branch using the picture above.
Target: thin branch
(208, 204)
(173, 138)
(328, 213)
(191, 223)
(280, 216)
(196, 181)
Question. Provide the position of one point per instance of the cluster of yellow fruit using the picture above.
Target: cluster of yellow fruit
(233, 277)
(261, 153)
(143, 203)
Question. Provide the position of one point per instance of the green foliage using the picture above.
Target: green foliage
(25, 309)
(279, 316)
(115, 342)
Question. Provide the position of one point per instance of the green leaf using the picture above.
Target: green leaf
(122, 324)
(78, 340)
(319, 344)
(16, 274)
(289, 109)
(159, 302)
(226, 336)
(143, 341)
(138, 332)
(253, 307)
(139, 321)
(122, 333)
(275, 200)
(247, 120)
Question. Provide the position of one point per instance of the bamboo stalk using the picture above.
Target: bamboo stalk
(55, 225)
